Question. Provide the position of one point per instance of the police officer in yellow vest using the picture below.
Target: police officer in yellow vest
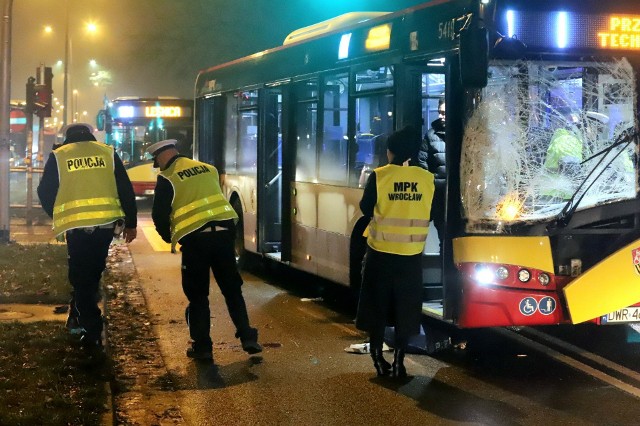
(86, 190)
(189, 208)
(397, 198)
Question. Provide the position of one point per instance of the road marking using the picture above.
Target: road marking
(574, 363)
(154, 239)
(588, 355)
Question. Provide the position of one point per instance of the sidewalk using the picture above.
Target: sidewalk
(39, 232)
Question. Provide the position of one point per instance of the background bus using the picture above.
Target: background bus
(295, 129)
(132, 124)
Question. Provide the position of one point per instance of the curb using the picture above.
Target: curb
(142, 389)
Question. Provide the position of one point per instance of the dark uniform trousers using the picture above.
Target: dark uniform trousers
(211, 249)
(87, 250)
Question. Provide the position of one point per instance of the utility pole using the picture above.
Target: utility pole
(5, 96)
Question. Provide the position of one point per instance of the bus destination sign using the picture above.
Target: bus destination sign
(623, 33)
(163, 111)
(573, 30)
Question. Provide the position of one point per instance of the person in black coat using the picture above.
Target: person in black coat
(391, 292)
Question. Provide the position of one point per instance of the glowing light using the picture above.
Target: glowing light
(624, 33)
(160, 111)
(484, 275)
(343, 48)
(125, 112)
(562, 27)
(509, 208)
(511, 26)
(378, 38)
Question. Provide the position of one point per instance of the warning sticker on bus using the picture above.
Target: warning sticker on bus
(630, 314)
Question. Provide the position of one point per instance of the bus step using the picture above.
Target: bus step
(432, 292)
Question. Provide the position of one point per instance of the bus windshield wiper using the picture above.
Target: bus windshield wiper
(564, 217)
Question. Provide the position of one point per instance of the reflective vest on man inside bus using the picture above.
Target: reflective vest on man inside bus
(197, 197)
(400, 222)
(87, 195)
(563, 160)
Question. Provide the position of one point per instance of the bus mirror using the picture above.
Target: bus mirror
(474, 57)
(100, 120)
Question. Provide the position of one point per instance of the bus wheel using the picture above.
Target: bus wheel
(241, 252)
(357, 249)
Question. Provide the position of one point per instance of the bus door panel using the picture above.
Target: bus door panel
(427, 85)
(270, 172)
(304, 227)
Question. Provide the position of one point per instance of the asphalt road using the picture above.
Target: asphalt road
(304, 376)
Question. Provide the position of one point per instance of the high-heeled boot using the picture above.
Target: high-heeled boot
(381, 364)
(398, 367)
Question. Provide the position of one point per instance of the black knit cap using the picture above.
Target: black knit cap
(78, 132)
(404, 143)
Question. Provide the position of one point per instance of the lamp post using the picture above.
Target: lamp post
(5, 95)
(67, 55)
(68, 60)
(74, 107)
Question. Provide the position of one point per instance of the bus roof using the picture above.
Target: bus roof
(430, 28)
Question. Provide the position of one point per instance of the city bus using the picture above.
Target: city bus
(536, 233)
(132, 124)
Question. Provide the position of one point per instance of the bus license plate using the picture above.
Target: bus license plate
(148, 192)
(630, 314)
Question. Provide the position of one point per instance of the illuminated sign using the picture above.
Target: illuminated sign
(163, 111)
(623, 33)
(378, 38)
(573, 30)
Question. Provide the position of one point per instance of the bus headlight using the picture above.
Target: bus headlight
(483, 274)
(524, 276)
(502, 273)
(543, 278)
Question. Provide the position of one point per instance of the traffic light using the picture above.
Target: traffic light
(44, 92)
(30, 108)
(42, 100)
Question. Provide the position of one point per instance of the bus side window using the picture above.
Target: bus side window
(333, 151)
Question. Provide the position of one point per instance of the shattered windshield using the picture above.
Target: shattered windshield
(531, 141)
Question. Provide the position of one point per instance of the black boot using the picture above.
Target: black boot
(381, 365)
(398, 364)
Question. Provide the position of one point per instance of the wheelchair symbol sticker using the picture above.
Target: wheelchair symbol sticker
(547, 305)
(528, 306)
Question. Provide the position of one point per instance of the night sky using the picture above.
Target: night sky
(155, 47)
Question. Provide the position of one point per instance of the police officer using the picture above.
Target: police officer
(189, 208)
(397, 198)
(86, 190)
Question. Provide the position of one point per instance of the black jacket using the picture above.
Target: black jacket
(50, 182)
(432, 155)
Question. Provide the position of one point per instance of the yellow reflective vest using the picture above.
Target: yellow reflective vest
(197, 197)
(400, 222)
(87, 195)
